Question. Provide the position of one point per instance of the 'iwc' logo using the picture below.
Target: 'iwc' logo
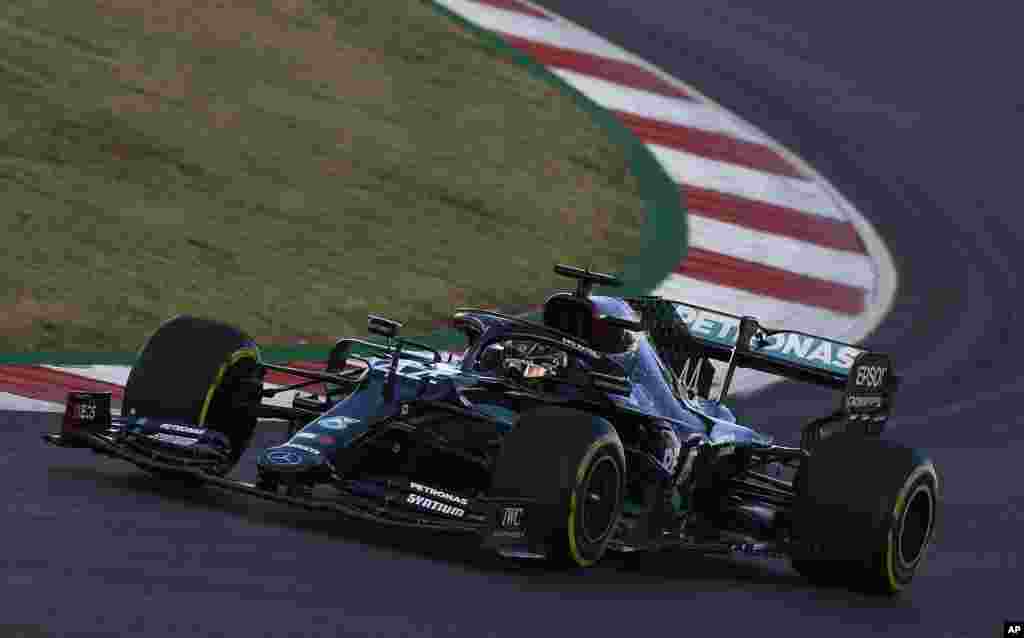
(512, 517)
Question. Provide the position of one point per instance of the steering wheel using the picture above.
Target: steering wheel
(524, 361)
(548, 356)
(539, 362)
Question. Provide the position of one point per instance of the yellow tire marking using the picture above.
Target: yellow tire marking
(581, 472)
(901, 498)
(238, 355)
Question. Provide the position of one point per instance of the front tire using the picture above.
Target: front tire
(573, 465)
(200, 372)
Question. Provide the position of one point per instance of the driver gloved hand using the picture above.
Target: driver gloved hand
(522, 369)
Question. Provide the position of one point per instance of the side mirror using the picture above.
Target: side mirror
(383, 327)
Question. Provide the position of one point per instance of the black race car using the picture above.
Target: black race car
(592, 430)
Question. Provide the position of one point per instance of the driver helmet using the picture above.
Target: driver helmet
(606, 337)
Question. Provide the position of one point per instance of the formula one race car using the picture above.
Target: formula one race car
(588, 431)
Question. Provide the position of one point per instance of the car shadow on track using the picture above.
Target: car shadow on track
(654, 574)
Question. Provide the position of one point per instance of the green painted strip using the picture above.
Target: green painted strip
(663, 235)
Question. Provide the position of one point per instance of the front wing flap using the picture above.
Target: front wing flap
(401, 503)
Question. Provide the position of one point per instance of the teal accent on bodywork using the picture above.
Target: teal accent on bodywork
(724, 429)
(734, 433)
(357, 413)
(367, 404)
(805, 350)
(816, 352)
(631, 507)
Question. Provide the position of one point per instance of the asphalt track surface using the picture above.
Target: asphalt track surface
(915, 114)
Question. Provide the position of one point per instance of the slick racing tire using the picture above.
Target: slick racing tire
(573, 466)
(201, 372)
(864, 514)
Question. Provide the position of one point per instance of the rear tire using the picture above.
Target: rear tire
(202, 372)
(572, 464)
(865, 514)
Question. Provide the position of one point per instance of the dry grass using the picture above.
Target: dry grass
(285, 165)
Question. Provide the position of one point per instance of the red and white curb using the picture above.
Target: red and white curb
(44, 388)
(768, 236)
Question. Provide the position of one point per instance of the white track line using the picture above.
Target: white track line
(781, 252)
(553, 33)
(662, 108)
(117, 375)
(787, 192)
(15, 403)
(816, 197)
(773, 313)
(883, 294)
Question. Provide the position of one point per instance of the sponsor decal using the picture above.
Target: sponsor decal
(579, 348)
(512, 517)
(337, 422)
(304, 448)
(326, 439)
(871, 376)
(805, 350)
(283, 457)
(426, 489)
(173, 439)
(434, 506)
(508, 533)
(181, 428)
(709, 325)
(86, 411)
(863, 402)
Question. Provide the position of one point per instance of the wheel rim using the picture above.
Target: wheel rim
(915, 527)
(600, 499)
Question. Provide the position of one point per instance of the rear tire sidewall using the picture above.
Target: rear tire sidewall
(920, 491)
(586, 533)
(865, 515)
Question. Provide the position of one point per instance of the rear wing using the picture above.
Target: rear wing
(865, 377)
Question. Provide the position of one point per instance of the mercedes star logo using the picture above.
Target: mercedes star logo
(281, 457)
